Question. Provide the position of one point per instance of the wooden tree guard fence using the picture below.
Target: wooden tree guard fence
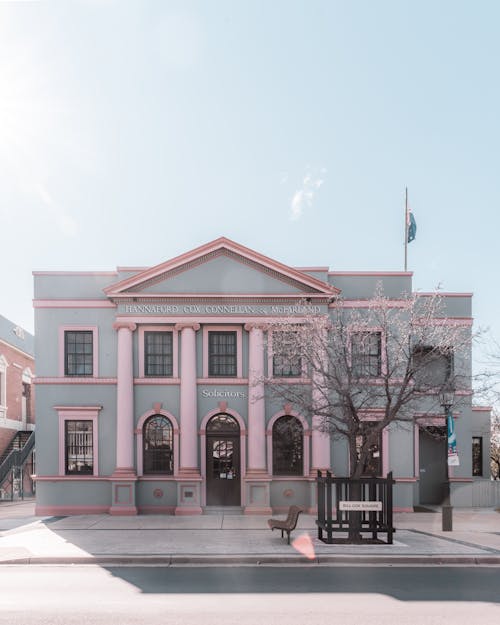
(361, 509)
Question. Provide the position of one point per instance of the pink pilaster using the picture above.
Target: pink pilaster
(257, 477)
(125, 399)
(320, 441)
(256, 405)
(189, 492)
(124, 476)
(188, 408)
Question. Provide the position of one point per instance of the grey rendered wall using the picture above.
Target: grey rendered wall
(401, 445)
(287, 492)
(145, 493)
(221, 275)
(72, 286)
(364, 286)
(48, 396)
(47, 323)
(74, 493)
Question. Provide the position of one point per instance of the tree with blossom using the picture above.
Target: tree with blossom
(359, 369)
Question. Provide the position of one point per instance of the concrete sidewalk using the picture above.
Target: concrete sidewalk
(228, 539)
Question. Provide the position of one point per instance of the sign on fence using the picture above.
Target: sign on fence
(354, 511)
(368, 506)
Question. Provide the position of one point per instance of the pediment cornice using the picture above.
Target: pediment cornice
(134, 286)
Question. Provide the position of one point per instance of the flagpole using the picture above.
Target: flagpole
(406, 228)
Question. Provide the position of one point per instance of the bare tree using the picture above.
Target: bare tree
(364, 368)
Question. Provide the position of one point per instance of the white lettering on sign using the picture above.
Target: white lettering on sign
(216, 309)
(364, 506)
(151, 309)
(218, 393)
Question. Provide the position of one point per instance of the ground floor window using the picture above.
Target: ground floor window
(79, 447)
(477, 456)
(288, 446)
(157, 438)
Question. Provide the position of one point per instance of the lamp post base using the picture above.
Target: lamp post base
(447, 518)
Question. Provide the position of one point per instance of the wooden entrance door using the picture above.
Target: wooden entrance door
(223, 462)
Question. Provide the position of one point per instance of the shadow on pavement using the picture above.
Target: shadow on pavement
(401, 583)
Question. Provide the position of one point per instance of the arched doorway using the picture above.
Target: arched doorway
(223, 461)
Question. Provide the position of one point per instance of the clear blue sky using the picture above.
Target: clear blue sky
(131, 132)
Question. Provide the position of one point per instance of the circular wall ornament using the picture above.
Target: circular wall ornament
(288, 493)
(158, 493)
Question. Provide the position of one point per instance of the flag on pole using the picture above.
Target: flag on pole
(411, 225)
(452, 442)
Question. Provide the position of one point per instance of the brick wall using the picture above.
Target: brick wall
(18, 362)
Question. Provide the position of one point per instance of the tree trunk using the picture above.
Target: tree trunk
(354, 516)
(355, 494)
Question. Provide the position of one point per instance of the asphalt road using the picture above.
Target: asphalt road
(67, 595)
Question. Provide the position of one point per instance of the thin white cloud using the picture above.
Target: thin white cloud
(303, 198)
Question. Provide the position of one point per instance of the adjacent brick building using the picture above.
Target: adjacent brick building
(17, 418)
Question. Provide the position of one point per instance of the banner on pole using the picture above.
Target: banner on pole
(453, 460)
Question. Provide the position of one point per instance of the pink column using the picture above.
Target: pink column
(256, 404)
(188, 403)
(320, 440)
(125, 401)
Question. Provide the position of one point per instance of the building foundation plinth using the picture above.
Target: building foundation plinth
(123, 483)
(188, 493)
(257, 492)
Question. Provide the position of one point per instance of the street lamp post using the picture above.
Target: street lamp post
(447, 398)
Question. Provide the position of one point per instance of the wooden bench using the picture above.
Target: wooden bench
(287, 525)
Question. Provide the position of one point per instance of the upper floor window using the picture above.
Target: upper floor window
(78, 352)
(287, 362)
(79, 447)
(366, 354)
(288, 446)
(222, 354)
(158, 446)
(433, 366)
(158, 354)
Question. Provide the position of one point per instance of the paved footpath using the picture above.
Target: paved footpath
(229, 539)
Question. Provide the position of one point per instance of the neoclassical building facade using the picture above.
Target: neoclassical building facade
(150, 394)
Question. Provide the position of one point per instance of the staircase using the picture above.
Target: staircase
(17, 454)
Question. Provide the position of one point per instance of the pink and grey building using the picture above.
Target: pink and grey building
(149, 395)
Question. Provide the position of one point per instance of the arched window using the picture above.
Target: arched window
(157, 438)
(222, 423)
(288, 446)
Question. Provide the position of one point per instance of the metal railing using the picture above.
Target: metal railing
(362, 506)
(16, 458)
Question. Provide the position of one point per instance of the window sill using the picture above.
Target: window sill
(74, 380)
(216, 380)
(162, 380)
(286, 380)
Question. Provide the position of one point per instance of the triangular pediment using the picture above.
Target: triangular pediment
(220, 267)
